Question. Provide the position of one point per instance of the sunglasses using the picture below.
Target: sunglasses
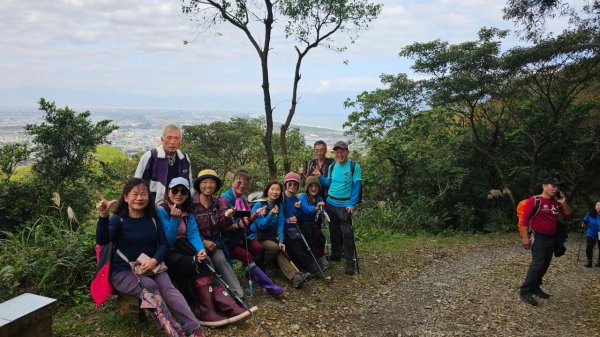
(179, 190)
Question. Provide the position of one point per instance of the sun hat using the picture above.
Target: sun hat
(207, 174)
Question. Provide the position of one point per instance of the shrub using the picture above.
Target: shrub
(51, 256)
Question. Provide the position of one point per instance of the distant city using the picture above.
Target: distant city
(139, 129)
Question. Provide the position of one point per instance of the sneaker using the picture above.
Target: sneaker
(298, 280)
(527, 298)
(350, 269)
(540, 293)
(588, 264)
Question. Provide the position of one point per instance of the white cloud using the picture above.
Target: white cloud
(136, 47)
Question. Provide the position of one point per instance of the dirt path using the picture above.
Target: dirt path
(473, 292)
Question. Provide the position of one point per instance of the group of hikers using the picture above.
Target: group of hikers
(165, 217)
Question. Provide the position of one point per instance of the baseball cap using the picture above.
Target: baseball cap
(340, 145)
(551, 180)
(179, 181)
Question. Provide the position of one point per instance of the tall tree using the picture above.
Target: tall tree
(310, 23)
(533, 14)
(552, 76)
(468, 80)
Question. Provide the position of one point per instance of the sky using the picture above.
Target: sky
(131, 54)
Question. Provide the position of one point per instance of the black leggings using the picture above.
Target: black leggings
(589, 248)
(182, 266)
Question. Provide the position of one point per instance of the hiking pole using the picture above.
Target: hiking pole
(325, 216)
(238, 299)
(580, 241)
(151, 302)
(311, 253)
(250, 285)
(314, 291)
(354, 245)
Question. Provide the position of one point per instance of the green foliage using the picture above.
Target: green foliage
(225, 146)
(65, 142)
(483, 120)
(229, 146)
(112, 169)
(64, 145)
(50, 257)
(11, 155)
(17, 204)
(420, 215)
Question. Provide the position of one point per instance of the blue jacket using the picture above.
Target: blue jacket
(307, 211)
(289, 208)
(263, 222)
(593, 222)
(170, 226)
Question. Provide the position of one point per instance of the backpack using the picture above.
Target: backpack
(352, 167)
(521, 207)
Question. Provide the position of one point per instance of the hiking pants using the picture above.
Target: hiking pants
(224, 268)
(340, 230)
(272, 252)
(297, 251)
(126, 282)
(589, 248)
(542, 251)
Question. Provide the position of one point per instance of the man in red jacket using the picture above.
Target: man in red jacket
(543, 220)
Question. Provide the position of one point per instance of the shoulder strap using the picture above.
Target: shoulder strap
(352, 166)
(330, 171)
(148, 173)
(536, 207)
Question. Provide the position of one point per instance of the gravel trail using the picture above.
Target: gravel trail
(472, 291)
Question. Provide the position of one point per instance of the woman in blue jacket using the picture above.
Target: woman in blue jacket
(187, 255)
(592, 220)
(267, 229)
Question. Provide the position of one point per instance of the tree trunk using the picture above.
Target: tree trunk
(264, 58)
(287, 163)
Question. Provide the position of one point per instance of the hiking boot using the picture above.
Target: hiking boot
(588, 264)
(324, 263)
(350, 269)
(540, 293)
(298, 280)
(335, 257)
(527, 298)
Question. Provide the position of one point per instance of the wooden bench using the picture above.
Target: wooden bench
(27, 315)
(129, 306)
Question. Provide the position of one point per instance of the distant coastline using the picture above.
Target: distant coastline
(140, 129)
